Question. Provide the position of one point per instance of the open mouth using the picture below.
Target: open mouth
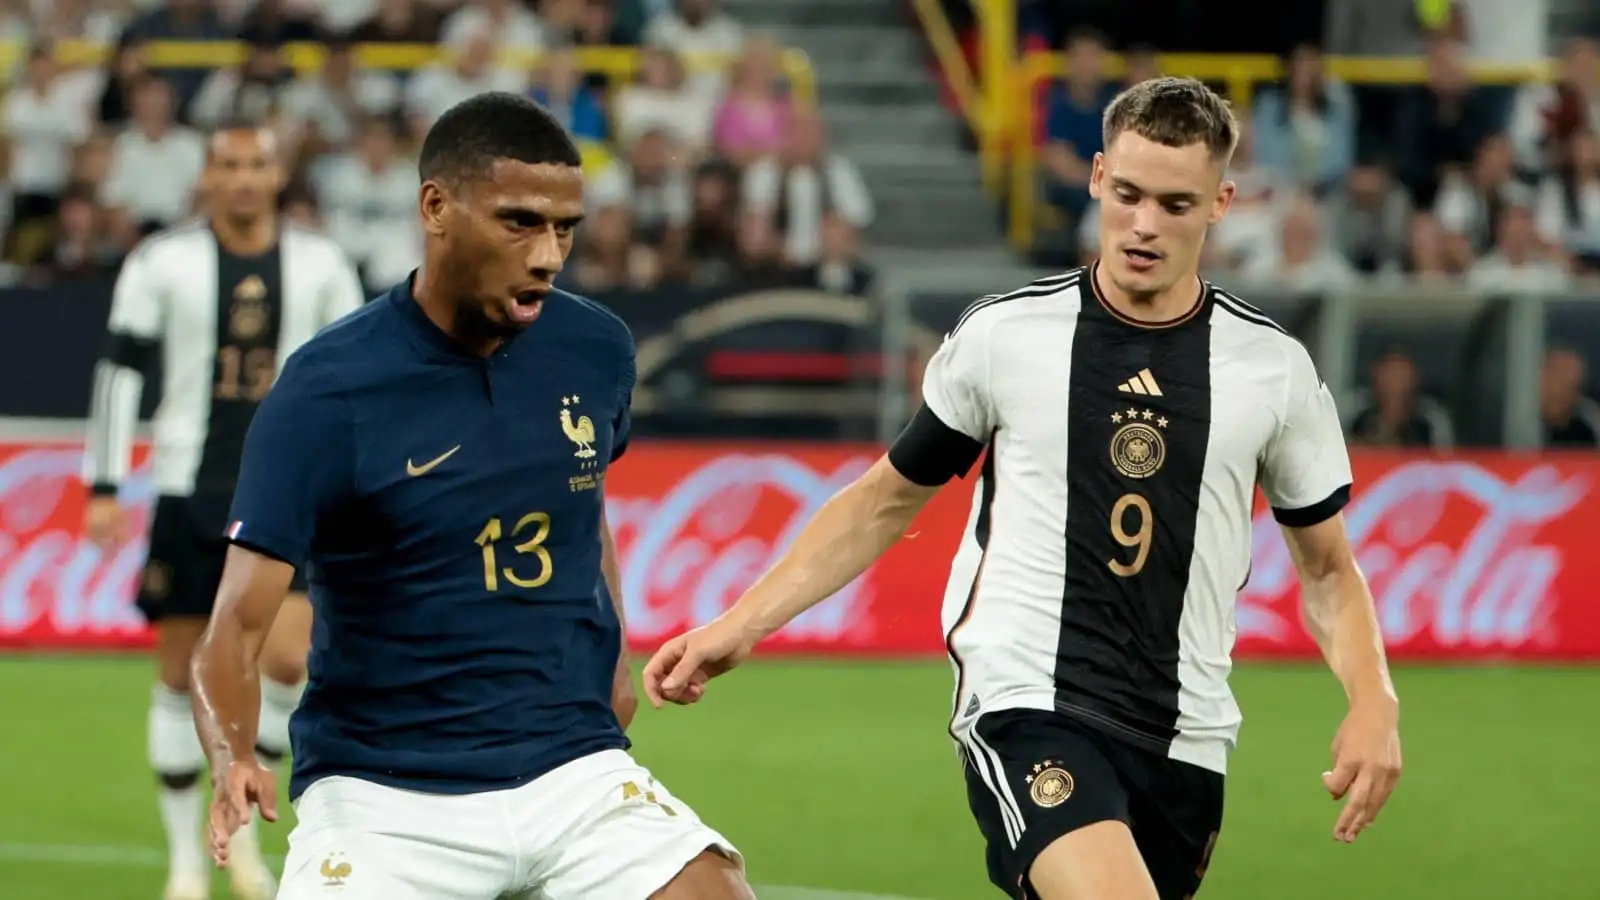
(1139, 258)
(526, 306)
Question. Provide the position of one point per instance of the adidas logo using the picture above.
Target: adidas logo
(972, 706)
(1142, 383)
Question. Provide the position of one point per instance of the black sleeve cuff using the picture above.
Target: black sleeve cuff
(102, 489)
(930, 453)
(131, 351)
(1316, 513)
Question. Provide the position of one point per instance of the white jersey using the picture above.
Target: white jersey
(1111, 530)
(222, 325)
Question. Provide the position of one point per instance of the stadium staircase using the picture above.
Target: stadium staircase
(882, 111)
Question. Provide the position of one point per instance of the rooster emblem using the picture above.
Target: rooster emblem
(581, 432)
(335, 872)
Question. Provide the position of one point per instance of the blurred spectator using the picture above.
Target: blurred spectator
(1395, 413)
(76, 20)
(512, 25)
(804, 185)
(659, 98)
(600, 261)
(368, 196)
(77, 247)
(326, 108)
(1440, 123)
(1305, 128)
(154, 169)
(299, 207)
(1568, 209)
(42, 125)
(16, 25)
(443, 84)
(1469, 205)
(695, 30)
(248, 93)
(758, 262)
(1143, 62)
(397, 22)
(275, 22)
(598, 27)
(1544, 117)
(653, 189)
(754, 114)
(1261, 195)
(714, 225)
(1384, 28)
(1369, 220)
(839, 267)
(1570, 418)
(179, 20)
(1072, 124)
(123, 73)
(1301, 259)
(557, 85)
(1519, 261)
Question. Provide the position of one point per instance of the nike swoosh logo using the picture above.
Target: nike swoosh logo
(414, 470)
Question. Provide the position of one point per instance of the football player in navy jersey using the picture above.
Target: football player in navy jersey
(436, 462)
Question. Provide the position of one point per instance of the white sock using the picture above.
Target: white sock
(176, 756)
(278, 703)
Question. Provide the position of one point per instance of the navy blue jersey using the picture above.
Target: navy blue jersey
(447, 508)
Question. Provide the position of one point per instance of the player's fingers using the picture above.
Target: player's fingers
(267, 801)
(656, 670)
(1355, 810)
(689, 659)
(1339, 780)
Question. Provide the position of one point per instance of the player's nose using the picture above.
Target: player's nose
(544, 255)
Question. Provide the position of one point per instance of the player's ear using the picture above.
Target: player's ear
(433, 202)
(1097, 171)
(1223, 200)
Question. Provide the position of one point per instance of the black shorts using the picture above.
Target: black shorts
(1061, 775)
(184, 565)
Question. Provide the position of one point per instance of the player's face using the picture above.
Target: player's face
(242, 174)
(507, 237)
(1156, 203)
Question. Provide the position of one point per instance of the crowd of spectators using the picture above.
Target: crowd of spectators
(703, 165)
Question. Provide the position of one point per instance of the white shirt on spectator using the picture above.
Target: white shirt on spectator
(1460, 209)
(43, 130)
(810, 195)
(363, 210)
(669, 203)
(1553, 215)
(310, 102)
(154, 180)
(1495, 273)
(719, 34)
(521, 30)
(1253, 220)
(1526, 127)
(1507, 33)
(1326, 270)
(437, 88)
(685, 115)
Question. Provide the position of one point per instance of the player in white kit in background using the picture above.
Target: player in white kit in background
(1129, 411)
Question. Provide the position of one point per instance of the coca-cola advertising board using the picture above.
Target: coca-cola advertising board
(1470, 556)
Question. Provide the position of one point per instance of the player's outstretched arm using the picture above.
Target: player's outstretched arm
(1305, 475)
(846, 536)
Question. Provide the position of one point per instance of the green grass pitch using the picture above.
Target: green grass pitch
(838, 776)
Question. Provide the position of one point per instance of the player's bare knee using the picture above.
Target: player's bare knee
(283, 657)
(1097, 862)
(710, 876)
(176, 639)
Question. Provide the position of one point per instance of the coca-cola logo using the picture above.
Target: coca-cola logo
(49, 576)
(689, 554)
(1452, 551)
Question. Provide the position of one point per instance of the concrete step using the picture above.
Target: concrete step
(763, 14)
(878, 45)
(889, 86)
(931, 217)
(917, 125)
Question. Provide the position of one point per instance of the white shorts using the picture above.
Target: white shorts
(597, 828)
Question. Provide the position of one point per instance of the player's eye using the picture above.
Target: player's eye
(1178, 207)
(1127, 196)
(563, 229)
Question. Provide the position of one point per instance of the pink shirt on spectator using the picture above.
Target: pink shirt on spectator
(745, 125)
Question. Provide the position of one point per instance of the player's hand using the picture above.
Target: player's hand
(238, 787)
(1366, 765)
(106, 522)
(680, 669)
(624, 700)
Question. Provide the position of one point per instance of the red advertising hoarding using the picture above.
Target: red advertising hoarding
(1470, 556)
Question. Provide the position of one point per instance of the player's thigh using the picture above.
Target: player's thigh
(1034, 779)
(361, 841)
(1096, 862)
(283, 656)
(626, 837)
(1177, 815)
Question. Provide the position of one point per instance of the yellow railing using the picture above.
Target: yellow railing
(1240, 75)
(620, 62)
(952, 62)
(982, 97)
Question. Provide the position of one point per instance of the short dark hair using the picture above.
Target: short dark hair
(1175, 112)
(474, 133)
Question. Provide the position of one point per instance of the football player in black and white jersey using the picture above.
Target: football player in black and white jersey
(1129, 411)
(222, 301)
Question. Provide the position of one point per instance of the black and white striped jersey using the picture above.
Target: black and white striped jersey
(223, 325)
(1111, 530)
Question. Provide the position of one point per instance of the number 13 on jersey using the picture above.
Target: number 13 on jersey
(536, 525)
(1138, 540)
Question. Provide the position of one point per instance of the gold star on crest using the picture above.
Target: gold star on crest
(1148, 415)
(1162, 421)
(1116, 417)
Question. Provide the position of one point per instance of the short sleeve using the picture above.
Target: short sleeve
(622, 425)
(298, 463)
(136, 298)
(1305, 471)
(949, 432)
